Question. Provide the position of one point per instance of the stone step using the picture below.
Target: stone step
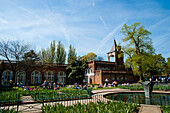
(150, 109)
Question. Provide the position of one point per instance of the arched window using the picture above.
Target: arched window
(49, 75)
(6, 77)
(36, 77)
(20, 77)
(61, 77)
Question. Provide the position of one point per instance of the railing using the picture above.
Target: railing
(140, 99)
(38, 100)
(35, 101)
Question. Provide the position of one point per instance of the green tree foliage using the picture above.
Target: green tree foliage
(72, 56)
(53, 54)
(153, 64)
(52, 51)
(60, 53)
(167, 68)
(89, 57)
(44, 55)
(76, 70)
(137, 44)
(48, 55)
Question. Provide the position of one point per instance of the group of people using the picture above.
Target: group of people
(52, 85)
(45, 85)
(113, 84)
(28, 88)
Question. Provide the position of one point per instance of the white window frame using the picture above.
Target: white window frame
(5, 82)
(51, 75)
(17, 77)
(39, 76)
(61, 77)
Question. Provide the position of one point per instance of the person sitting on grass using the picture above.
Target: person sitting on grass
(25, 88)
(113, 84)
(56, 87)
(85, 87)
(35, 88)
(78, 87)
(50, 86)
(100, 86)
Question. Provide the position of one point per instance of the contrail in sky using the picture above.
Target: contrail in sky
(104, 23)
(110, 35)
(158, 23)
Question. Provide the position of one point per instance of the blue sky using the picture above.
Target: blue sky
(89, 25)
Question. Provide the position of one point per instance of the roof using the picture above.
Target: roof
(113, 49)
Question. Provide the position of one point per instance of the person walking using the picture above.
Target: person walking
(11, 83)
(156, 81)
(45, 84)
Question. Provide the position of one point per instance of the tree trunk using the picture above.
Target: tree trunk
(140, 73)
(13, 78)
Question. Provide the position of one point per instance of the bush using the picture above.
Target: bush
(165, 109)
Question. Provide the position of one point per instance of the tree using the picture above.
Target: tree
(13, 51)
(167, 67)
(89, 57)
(138, 43)
(52, 52)
(153, 64)
(30, 57)
(48, 55)
(60, 54)
(77, 70)
(43, 55)
(72, 56)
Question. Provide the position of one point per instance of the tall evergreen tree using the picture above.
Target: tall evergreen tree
(71, 54)
(44, 55)
(60, 53)
(52, 52)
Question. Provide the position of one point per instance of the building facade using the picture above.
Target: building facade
(98, 71)
(34, 74)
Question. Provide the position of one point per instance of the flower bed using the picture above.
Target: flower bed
(99, 107)
(43, 95)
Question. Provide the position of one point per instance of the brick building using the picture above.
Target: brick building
(34, 74)
(98, 71)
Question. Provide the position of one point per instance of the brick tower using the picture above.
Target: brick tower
(114, 52)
